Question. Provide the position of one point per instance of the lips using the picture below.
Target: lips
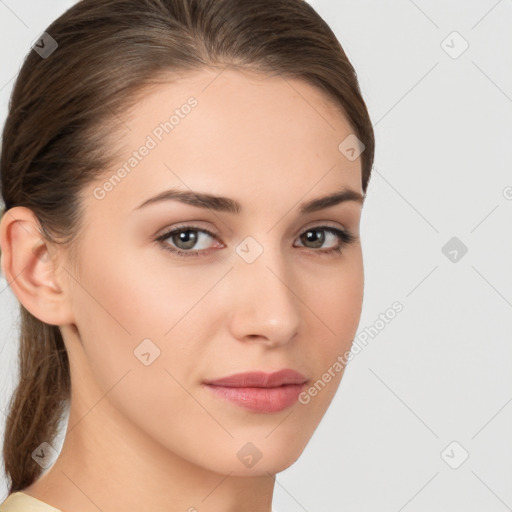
(259, 379)
(259, 392)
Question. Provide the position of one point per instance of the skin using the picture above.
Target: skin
(151, 437)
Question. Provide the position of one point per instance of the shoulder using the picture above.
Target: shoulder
(21, 502)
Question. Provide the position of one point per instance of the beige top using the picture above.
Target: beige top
(21, 502)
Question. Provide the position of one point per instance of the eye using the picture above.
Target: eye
(184, 239)
(187, 241)
(344, 238)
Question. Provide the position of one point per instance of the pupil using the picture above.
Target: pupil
(317, 240)
(188, 238)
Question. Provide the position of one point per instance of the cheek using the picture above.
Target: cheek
(333, 316)
(340, 304)
(123, 315)
(122, 303)
(335, 303)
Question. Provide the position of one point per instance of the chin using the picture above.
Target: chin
(262, 468)
(261, 459)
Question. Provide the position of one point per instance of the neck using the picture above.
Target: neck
(103, 467)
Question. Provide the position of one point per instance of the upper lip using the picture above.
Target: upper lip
(259, 379)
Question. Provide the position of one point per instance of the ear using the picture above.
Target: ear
(29, 263)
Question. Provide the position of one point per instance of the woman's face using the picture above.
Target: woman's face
(261, 293)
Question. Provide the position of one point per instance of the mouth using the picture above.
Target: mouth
(259, 391)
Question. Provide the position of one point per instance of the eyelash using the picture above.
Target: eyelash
(345, 237)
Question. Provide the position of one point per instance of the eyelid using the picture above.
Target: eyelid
(323, 224)
(184, 226)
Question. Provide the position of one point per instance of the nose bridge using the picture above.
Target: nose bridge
(264, 303)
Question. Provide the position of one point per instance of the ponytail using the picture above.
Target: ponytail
(39, 401)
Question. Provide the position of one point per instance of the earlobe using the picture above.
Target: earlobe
(28, 262)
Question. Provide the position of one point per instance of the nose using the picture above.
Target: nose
(265, 307)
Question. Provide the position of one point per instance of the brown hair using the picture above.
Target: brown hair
(64, 115)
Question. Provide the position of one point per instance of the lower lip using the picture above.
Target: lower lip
(262, 400)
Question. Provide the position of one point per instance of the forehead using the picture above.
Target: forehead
(224, 131)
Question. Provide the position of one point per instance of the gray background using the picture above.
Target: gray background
(440, 371)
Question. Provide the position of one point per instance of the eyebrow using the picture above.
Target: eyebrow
(226, 204)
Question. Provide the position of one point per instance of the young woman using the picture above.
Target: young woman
(183, 183)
